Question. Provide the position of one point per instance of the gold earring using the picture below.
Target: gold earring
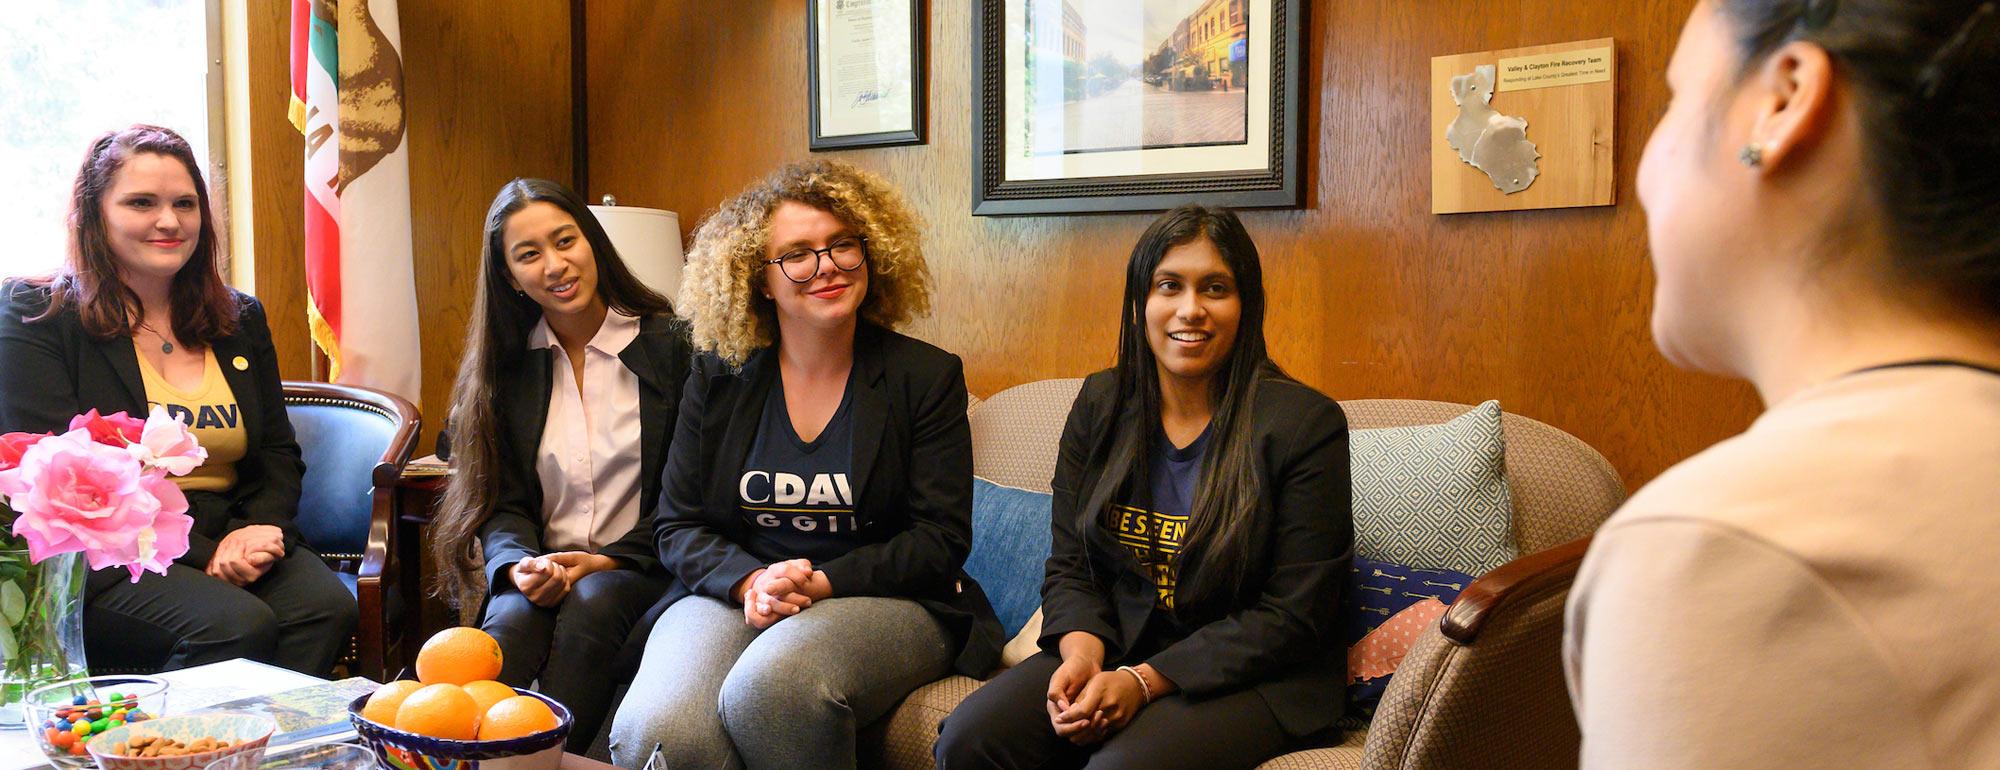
(1752, 155)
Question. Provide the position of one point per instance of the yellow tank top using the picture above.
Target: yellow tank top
(210, 410)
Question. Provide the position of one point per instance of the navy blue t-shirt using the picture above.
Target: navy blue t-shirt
(795, 494)
(1156, 528)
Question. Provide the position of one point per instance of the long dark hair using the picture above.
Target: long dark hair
(203, 309)
(496, 341)
(1227, 519)
(1925, 74)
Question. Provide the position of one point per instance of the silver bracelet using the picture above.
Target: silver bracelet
(1145, 690)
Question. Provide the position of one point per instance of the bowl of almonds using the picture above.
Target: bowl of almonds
(185, 742)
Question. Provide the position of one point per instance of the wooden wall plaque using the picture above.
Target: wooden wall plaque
(1566, 93)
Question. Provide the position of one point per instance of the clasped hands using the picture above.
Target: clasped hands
(779, 591)
(545, 580)
(246, 553)
(1087, 703)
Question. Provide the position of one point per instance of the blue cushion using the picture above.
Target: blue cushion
(1376, 591)
(1010, 548)
(341, 447)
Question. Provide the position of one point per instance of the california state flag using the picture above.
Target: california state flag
(347, 99)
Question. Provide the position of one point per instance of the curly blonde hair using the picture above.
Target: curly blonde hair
(725, 313)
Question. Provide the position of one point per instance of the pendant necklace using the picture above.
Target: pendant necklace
(165, 346)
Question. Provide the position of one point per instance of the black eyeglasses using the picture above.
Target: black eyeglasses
(801, 265)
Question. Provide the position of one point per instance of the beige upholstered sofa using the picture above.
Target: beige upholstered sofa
(1484, 689)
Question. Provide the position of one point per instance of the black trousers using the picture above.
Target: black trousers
(298, 615)
(569, 648)
(1005, 724)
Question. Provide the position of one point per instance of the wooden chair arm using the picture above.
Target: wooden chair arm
(378, 556)
(1508, 582)
(381, 530)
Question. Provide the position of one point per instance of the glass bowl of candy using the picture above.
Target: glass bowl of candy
(66, 716)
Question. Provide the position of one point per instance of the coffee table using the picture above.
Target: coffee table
(192, 689)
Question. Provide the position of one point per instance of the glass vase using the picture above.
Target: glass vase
(41, 626)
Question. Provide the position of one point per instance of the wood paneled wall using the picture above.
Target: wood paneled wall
(277, 166)
(1371, 295)
(488, 88)
(487, 94)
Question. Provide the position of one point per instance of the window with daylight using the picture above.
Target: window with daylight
(72, 70)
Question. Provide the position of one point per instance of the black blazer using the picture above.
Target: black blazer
(1282, 637)
(660, 356)
(912, 473)
(51, 370)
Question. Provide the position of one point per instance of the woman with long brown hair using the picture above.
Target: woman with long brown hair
(137, 317)
(563, 411)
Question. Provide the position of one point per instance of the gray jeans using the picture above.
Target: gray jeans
(713, 692)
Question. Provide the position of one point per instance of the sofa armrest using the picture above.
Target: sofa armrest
(1520, 577)
(1491, 676)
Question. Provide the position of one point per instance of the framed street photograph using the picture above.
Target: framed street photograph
(1136, 105)
(865, 66)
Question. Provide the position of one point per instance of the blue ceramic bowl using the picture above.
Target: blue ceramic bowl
(398, 750)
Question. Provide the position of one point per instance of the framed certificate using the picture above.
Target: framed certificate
(1140, 105)
(865, 65)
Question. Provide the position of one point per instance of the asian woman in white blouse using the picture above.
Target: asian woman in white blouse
(563, 410)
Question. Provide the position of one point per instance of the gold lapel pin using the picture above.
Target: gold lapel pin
(242, 364)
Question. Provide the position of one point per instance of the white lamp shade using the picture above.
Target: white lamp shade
(650, 242)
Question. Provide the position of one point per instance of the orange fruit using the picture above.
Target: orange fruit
(381, 707)
(487, 692)
(457, 656)
(439, 711)
(515, 717)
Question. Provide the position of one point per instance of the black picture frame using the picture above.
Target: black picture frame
(1279, 183)
(919, 84)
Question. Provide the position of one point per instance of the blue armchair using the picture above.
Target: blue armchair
(356, 441)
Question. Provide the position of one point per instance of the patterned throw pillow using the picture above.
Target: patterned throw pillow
(1387, 607)
(1434, 496)
(1010, 547)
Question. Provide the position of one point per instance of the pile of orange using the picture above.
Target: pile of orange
(455, 695)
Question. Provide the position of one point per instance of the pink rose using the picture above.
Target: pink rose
(115, 429)
(13, 445)
(158, 546)
(167, 444)
(74, 494)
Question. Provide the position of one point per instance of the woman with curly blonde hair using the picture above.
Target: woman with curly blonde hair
(817, 503)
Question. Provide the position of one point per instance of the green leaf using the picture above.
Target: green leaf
(8, 650)
(12, 603)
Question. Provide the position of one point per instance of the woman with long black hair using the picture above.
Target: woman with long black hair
(1202, 531)
(563, 411)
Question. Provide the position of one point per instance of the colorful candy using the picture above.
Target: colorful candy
(73, 726)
